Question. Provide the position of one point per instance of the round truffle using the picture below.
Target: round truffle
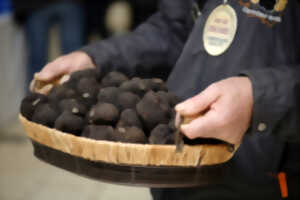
(155, 84)
(69, 123)
(77, 75)
(136, 86)
(60, 92)
(30, 103)
(152, 111)
(103, 114)
(113, 79)
(127, 100)
(98, 132)
(73, 106)
(130, 135)
(162, 134)
(87, 85)
(45, 114)
(129, 117)
(109, 95)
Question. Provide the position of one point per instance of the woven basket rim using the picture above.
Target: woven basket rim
(127, 153)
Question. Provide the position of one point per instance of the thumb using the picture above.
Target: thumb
(199, 103)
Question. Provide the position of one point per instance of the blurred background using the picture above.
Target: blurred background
(32, 33)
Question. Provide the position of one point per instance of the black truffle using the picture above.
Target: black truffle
(162, 134)
(45, 114)
(73, 106)
(98, 132)
(77, 75)
(87, 100)
(109, 95)
(129, 117)
(88, 90)
(70, 84)
(69, 123)
(163, 96)
(127, 100)
(152, 111)
(129, 135)
(155, 84)
(113, 79)
(169, 97)
(135, 85)
(87, 85)
(60, 92)
(103, 114)
(30, 103)
(164, 100)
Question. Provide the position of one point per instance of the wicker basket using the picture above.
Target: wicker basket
(126, 153)
(126, 163)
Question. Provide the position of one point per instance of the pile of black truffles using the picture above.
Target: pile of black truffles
(113, 107)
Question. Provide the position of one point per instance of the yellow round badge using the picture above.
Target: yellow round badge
(219, 30)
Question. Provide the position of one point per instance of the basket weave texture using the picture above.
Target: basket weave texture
(126, 153)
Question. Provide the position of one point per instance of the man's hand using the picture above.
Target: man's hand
(228, 109)
(77, 60)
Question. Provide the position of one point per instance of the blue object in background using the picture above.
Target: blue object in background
(5, 7)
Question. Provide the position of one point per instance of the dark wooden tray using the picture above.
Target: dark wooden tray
(147, 176)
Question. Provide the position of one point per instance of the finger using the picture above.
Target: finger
(49, 72)
(64, 79)
(45, 90)
(32, 86)
(198, 103)
(204, 126)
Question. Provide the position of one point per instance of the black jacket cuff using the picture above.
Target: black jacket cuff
(267, 109)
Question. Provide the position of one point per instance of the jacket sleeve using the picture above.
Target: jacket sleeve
(155, 44)
(276, 101)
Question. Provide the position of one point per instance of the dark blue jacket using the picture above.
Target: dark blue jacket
(266, 48)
